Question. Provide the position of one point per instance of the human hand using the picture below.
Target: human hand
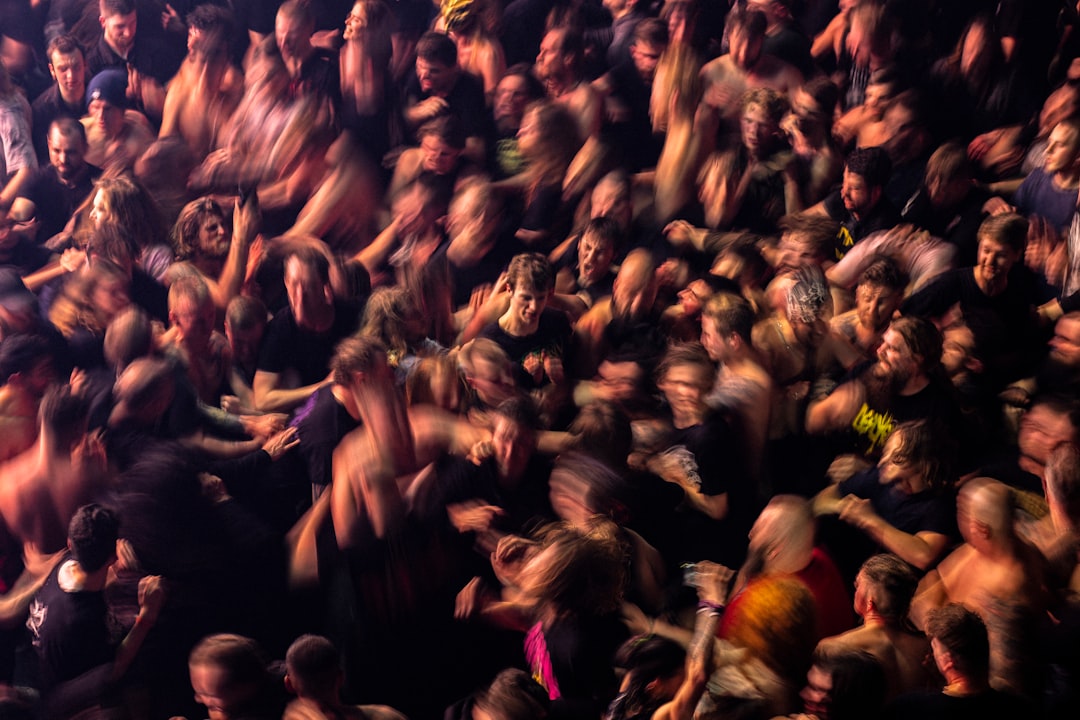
(473, 516)
(72, 259)
(469, 600)
(681, 233)
(430, 107)
(247, 217)
(844, 467)
(857, 512)
(261, 427)
(281, 443)
(88, 456)
(151, 597)
(231, 404)
(635, 619)
(713, 580)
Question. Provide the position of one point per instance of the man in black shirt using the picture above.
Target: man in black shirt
(860, 205)
(67, 98)
(62, 185)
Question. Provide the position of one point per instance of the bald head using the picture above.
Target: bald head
(984, 511)
(635, 286)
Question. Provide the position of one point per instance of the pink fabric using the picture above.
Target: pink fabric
(536, 653)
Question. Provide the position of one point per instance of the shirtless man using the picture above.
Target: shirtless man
(995, 573)
(313, 672)
(559, 68)
(883, 591)
(728, 77)
(116, 137)
(205, 93)
(26, 367)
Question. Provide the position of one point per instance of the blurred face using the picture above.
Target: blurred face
(684, 387)
(492, 383)
(244, 343)
(817, 695)
(1041, 430)
(894, 469)
(693, 297)
(529, 134)
(99, 209)
(811, 334)
(712, 339)
(975, 55)
(646, 57)
(612, 199)
(957, 347)
(292, 36)
(859, 198)
(526, 304)
(945, 192)
(895, 359)
(1061, 149)
(308, 296)
(550, 62)
(875, 305)
(569, 496)
(512, 446)
(594, 258)
(213, 238)
(620, 379)
(797, 250)
(355, 21)
(745, 51)
(877, 96)
(1065, 345)
(106, 117)
(110, 296)
(69, 72)
(213, 690)
(995, 260)
(66, 154)
(119, 31)
(194, 323)
(438, 156)
(435, 78)
(759, 132)
(511, 97)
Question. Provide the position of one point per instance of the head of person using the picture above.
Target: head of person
(19, 309)
(727, 321)
(1050, 421)
(513, 436)
(685, 375)
(313, 669)
(809, 306)
(879, 293)
(623, 378)
(870, 31)
(881, 88)
(512, 695)
(611, 198)
(984, 514)
(293, 27)
(697, 292)
(978, 49)
(488, 371)
(677, 86)
(1002, 240)
(201, 230)
(743, 263)
(746, 36)
(910, 348)
(245, 323)
(191, 311)
(129, 336)
(125, 205)
(813, 105)
(91, 298)
(119, 22)
(357, 359)
(371, 24)
(762, 111)
(781, 538)
(655, 667)
(904, 124)
(603, 431)
(106, 98)
(67, 66)
(436, 64)
(884, 587)
(442, 141)
(1065, 345)
(866, 172)
(635, 286)
(596, 250)
(420, 204)
(143, 391)
(63, 415)
(960, 643)
(918, 457)
(26, 363)
(67, 145)
(307, 284)
(228, 675)
(805, 240)
(561, 53)
(530, 280)
(1063, 147)
(435, 380)
(1062, 486)
(843, 685)
(582, 486)
(516, 89)
(392, 316)
(548, 139)
(210, 31)
(959, 355)
(579, 572)
(949, 175)
(92, 535)
(650, 40)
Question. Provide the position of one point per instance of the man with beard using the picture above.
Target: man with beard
(904, 384)
(1060, 372)
(857, 333)
(62, 185)
(559, 68)
(860, 205)
(1051, 421)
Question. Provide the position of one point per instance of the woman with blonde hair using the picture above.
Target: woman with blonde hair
(87, 303)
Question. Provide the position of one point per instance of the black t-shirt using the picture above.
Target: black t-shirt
(48, 107)
(55, 201)
(552, 338)
(466, 100)
(883, 217)
(68, 629)
(320, 424)
(922, 512)
(26, 256)
(288, 346)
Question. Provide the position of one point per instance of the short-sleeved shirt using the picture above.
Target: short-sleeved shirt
(1038, 196)
(922, 512)
(852, 229)
(55, 201)
(287, 346)
(16, 144)
(552, 338)
(320, 424)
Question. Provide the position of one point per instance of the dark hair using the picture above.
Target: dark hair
(751, 22)
(872, 164)
(922, 338)
(447, 128)
(646, 658)
(691, 353)
(1063, 479)
(532, 269)
(20, 353)
(603, 430)
(896, 582)
(732, 314)
(241, 658)
(116, 7)
(355, 354)
(64, 413)
(185, 232)
(964, 636)
(299, 11)
(129, 336)
(651, 31)
(533, 88)
(521, 411)
(67, 127)
(514, 694)
(313, 665)
(63, 44)
(821, 231)
(774, 104)
(311, 258)
(858, 683)
(604, 228)
(949, 161)
(245, 312)
(826, 95)
(884, 272)
(435, 47)
(92, 535)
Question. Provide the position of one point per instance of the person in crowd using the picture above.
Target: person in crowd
(63, 185)
(860, 206)
(857, 334)
(117, 136)
(67, 98)
(230, 679)
(843, 684)
(559, 67)
(313, 673)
